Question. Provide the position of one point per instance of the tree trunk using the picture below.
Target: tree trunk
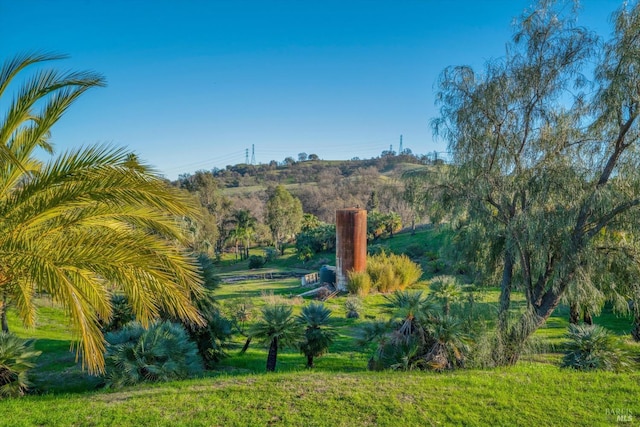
(588, 319)
(635, 333)
(505, 293)
(413, 226)
(309, 362)
(272, 356)
(245, 347)
(3, 312)
(574, 314)
(3, 317)
(529, 323)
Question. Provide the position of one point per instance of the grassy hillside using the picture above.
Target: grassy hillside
(340, 390)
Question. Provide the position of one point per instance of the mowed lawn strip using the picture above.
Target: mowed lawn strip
(529, 394)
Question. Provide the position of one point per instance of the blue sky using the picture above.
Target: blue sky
(192, 84)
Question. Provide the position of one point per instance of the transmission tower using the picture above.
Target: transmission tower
(400, 151)
(253, 154)
(246, 156)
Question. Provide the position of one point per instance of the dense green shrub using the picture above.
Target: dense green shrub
(359, 283)
(320, 238)
(16, 358)
(256, 261)
(592, 347)
(436, 266)
(162, 352)
(392, 272)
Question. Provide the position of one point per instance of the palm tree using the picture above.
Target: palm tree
(16, 358)
(244, 230)
(87, 223)
(277, 328)
(410, 311)
(451, 343)
(446, 290)
(318, 335)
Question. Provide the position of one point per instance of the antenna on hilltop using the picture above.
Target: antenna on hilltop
(253, 154)
(400, 150)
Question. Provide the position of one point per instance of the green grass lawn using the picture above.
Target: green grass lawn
(529, 394)
(339, 391)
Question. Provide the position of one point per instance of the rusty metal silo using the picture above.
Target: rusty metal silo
(351, 244)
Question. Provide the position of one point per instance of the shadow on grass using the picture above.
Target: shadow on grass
(58, 371)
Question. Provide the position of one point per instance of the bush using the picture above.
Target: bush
(352, 306)
(592, 347)
(436, 266)
(392, 272)
(161, 353)
(16, 358)
(359, 283)
(270, 254)
(256, 261)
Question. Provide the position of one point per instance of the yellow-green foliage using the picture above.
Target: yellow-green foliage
(392, 272)
(359, 283)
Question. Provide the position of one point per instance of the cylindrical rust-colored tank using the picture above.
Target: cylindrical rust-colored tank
(351, 244)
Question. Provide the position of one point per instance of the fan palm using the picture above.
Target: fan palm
(411, 310)
(277, 328)
(318, 335)
(87, 222)
(446, 290)
(162, 352)
(16, 358)
(451, 343)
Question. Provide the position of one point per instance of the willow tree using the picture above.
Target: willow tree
(87, 222)
(546, 160)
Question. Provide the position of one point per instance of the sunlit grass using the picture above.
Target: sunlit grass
(530, 394)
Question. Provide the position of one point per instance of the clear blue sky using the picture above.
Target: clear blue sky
(192, 84)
